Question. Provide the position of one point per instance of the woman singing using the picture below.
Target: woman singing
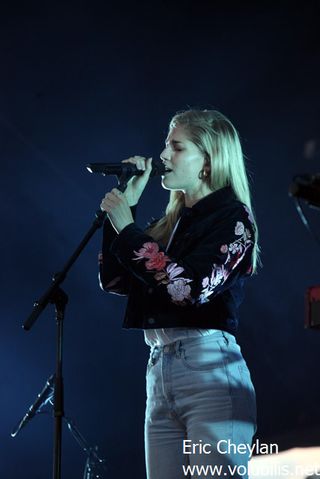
(184, 277)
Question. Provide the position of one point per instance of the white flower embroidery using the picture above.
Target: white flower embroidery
(235, 247)
(179, 290)
(239, 229)
(178, 287)
(236, 252)
(219, 274)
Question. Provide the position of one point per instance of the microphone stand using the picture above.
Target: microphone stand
(94, 465)
(55, 295)
(45, 396)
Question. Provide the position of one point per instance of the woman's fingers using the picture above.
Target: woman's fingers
(149, 164)
(136, 183)
(139, 161)
(116, 206)
(112, 198)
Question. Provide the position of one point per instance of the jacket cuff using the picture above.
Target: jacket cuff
(126, 241)
(108, 230)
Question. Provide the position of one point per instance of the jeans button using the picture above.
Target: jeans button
(151, 320)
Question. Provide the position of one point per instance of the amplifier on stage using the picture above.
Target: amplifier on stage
(312, 317)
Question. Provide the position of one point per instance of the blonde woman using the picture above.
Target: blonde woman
(184, 277)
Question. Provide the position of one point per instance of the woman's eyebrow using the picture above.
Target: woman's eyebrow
(174, 142)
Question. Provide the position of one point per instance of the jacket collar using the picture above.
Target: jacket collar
(213, 201)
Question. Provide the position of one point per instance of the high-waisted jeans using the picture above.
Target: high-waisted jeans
(200, 411)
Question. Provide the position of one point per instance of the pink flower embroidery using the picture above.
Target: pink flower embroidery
(224, 249)
(148, 250)
(178, 288)
(156, 259)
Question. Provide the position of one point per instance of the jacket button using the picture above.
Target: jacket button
(151, 320)
(150, 290)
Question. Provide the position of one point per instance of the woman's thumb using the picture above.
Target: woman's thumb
(149, 164)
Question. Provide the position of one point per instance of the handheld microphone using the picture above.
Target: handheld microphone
(124, 170)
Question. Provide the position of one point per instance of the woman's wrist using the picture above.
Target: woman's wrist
(132, 201)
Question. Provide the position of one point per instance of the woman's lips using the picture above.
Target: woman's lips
(167, 172)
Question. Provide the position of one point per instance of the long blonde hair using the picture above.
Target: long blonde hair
(218, 141)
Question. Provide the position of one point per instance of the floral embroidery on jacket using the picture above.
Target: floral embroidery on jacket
(156, 259)
(177, 286)
(235, 253)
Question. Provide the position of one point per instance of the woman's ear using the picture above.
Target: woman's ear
(207, 165)
(204, 173)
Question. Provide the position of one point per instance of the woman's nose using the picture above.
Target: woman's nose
(164, 155)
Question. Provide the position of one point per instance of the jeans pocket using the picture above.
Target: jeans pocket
(202, 359)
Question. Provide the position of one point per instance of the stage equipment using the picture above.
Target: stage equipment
(94, 466)
(124, 170)
(55, 295)
(312, 304)
(306, 187)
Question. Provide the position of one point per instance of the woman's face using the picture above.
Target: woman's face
(185, 160)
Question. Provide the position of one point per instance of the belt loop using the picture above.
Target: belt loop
(178, 348)
(155, 354)
(225, 338)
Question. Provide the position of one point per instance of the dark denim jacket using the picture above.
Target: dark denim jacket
(198, 281)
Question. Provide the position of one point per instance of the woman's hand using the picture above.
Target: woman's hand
(137, 183)
(115, 204)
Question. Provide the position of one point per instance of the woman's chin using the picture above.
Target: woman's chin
(166, 184)
(169, 185)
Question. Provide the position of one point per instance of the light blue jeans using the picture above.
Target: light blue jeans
(200, 411)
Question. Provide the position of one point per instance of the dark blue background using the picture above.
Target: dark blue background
(98, 81)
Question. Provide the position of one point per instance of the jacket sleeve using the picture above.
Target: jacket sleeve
(113, 276)
(223, 253)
